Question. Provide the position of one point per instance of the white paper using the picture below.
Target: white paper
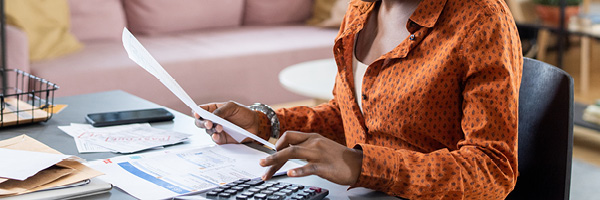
(20, 165)
(140, 55)
(167, 174)
(123, 139)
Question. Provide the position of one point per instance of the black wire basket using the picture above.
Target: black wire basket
(25, 98)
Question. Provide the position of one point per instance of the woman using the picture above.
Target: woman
(425, 103)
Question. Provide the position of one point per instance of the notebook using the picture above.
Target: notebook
(94, 186)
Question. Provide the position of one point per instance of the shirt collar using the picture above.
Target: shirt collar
(428, 12)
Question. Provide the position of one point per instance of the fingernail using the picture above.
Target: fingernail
(293, 173)
(219, 128)
(206, 123)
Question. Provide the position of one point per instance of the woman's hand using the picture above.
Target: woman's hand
(230, 111)
(326, 158)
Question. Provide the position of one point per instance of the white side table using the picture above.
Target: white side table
(314, 79)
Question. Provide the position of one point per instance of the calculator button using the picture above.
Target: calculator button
(254, 190)
(274, 189)
(316, 189)
(297, 198)
(212, 194)
(231, 191)
(244, 185)
(303, 194)
(267, 192)
(225, 195)
(286, 191)
(274, 197)
(309, 191)
(245, 179)
(218, 190)
(260, 196)
(230, 184)
(241, 197)
(293, 188)
(269, 184)
(279, 194)
(255, 182)
(238, 188)
(261, 187)
(224, 187)
(248, 194)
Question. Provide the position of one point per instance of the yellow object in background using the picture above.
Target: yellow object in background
(46, 23)
(55, 108)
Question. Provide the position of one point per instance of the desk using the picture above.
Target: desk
(313, 79)
(49, 134)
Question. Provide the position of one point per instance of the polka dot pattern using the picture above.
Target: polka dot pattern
(440, 110)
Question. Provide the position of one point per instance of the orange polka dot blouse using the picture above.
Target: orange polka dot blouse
(440, 110)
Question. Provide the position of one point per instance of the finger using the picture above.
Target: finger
(292, 152)
(210, 107)
(291, 138)
(227, 110)
(306, 170)
(271, 171)
(219, 138)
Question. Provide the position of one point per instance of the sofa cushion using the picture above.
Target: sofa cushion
(46, 24)
(97, 20)
(167, 16)
(203, 63)
(275, 12)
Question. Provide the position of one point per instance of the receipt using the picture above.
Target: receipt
(142, 57)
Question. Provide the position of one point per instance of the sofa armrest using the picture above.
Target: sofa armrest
(17, 49)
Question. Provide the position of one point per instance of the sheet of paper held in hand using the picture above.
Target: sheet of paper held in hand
(142, 57)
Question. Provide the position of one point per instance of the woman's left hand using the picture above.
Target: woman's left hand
(326, 158)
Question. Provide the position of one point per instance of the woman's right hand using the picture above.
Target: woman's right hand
(230, 111)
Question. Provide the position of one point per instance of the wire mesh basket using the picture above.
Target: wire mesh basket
(25, 98)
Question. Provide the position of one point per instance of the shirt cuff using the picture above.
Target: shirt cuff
(377, 171)
(264, 126)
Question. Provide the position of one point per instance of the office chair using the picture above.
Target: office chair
(545, 132)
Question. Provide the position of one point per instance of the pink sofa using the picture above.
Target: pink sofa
(217, 50)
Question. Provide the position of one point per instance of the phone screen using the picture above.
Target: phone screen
(130, 116)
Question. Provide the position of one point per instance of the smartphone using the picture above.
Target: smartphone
(128, 117)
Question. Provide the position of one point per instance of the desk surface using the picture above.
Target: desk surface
(78, 106)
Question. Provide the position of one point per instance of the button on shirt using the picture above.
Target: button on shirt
(440, 110)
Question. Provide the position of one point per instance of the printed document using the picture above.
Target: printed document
(167, 174)
(142, 57)
(122, 139)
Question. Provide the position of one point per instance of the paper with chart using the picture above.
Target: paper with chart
(122, 139)
(166, 174)
(142, 57)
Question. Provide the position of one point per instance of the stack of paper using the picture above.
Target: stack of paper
(121, 139)
(28, 166)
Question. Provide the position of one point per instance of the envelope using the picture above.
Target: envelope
(63, 173)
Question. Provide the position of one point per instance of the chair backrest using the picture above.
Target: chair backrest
(545, 132)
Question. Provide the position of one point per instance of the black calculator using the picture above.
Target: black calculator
(269, 190)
